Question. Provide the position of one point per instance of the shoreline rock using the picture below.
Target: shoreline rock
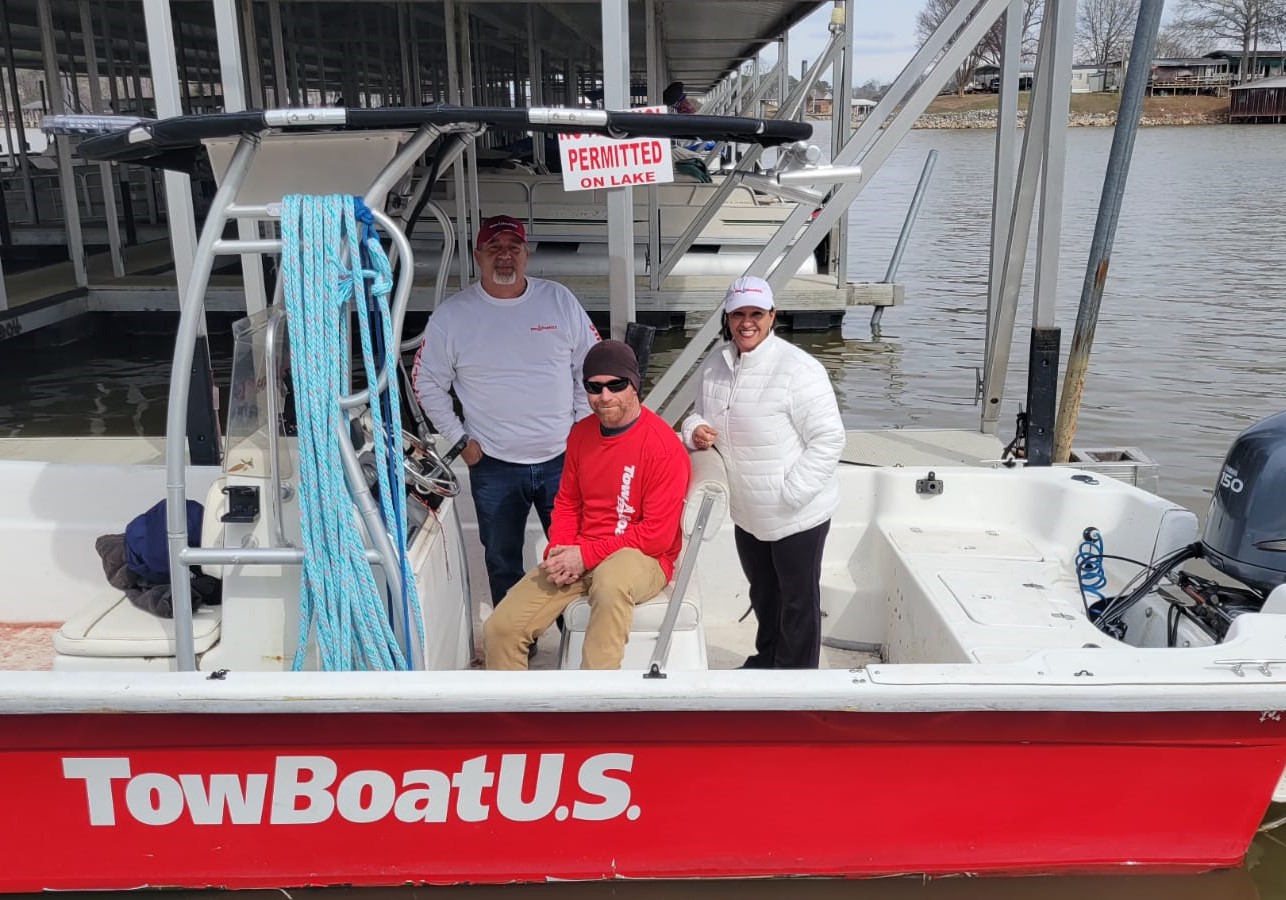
(986, 118)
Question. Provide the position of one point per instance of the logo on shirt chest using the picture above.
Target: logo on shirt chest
(544, 328)
(623, 509)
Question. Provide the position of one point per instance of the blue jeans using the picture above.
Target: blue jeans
(503, 494)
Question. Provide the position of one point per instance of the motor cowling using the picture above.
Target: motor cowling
(1245, 534)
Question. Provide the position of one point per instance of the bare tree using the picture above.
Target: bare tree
(989, 48)
(1246, 23)
(1175, 41)
(1103, 29)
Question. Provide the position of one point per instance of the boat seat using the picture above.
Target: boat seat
(113, 633)
(687, 645)
(687, 650)
(110, 632)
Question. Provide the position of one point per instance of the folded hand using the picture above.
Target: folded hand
(563, 564)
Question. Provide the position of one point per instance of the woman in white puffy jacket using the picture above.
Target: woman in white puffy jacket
(769, 409)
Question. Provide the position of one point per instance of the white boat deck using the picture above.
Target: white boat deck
(29, 646)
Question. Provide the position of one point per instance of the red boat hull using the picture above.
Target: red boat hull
(117, 801)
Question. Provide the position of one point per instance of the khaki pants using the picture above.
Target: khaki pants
(615, 586)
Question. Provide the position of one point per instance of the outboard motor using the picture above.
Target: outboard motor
(1245, 539)
(1245, 536)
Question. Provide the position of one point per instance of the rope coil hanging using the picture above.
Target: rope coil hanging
(322, 273)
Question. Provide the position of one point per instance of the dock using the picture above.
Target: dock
(499, 55)
(48, 295)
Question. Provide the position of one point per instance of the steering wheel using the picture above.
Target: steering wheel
(428, 472)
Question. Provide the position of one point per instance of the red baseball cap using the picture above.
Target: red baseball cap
(498, 225)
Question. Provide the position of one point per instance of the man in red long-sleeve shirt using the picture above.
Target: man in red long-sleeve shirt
(615, 532)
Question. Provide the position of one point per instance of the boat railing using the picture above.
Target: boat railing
(656, 665)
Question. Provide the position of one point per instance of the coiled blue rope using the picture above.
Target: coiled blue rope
(339, 596)
(386, 409)
(1089, 563)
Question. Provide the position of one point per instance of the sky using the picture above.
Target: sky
(883, 38)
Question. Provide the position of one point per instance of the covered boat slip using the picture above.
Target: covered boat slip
(376, 56)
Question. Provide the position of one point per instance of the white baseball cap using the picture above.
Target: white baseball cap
(748, 290)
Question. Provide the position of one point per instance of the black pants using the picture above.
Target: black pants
(786, 595)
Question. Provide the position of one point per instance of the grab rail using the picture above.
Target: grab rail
(663, 639)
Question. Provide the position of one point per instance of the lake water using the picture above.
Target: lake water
(1188, 349)
(1187, 354)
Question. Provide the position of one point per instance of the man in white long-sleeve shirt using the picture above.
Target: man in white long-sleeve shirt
(512, 348)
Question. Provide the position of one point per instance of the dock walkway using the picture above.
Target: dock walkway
(47, 295)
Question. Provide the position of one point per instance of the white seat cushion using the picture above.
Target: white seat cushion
(111, 626)
(647, 616)
(687, 643)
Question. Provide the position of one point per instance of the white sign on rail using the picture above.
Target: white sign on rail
(592, 161)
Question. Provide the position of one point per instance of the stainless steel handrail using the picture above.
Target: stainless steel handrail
(257, 556)
(191, 317)
(274, 429)
(655, 668)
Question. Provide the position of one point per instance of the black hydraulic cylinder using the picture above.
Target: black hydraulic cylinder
(1042, 395)
(639, 337)
(203, 417)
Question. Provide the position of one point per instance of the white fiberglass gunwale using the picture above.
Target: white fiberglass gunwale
(1092, 680)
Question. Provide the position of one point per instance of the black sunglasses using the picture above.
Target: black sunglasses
(616, 385)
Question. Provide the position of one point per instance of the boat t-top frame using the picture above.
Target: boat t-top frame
(168, 143)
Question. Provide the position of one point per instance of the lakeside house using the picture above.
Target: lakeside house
(986, 78)
(860, 108)
(1243, 66)
(1189, 75)
(818, 105)
(1211, 74)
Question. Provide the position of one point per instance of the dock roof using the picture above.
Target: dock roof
(701, 40)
